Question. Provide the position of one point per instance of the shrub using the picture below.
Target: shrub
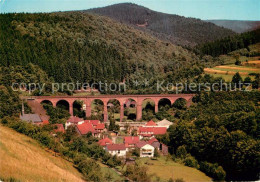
(213, 170)
(191, 162)
(181, 152)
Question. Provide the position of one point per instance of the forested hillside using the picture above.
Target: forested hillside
(176, 29)
(222, 129)
(229, 44)
(76, 46)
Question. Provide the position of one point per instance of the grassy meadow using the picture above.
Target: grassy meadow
(166, 169)
(23, 159)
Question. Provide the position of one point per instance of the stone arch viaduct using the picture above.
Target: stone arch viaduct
(87, 100)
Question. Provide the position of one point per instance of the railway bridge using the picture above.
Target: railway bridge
(87, 100)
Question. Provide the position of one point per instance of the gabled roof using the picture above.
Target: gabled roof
(152, 140)
(164, 122)
(131, 139)
(141, 144)
(74, 119)
(100, 126)
(151, 123)
(105, 141)
(35, 118)
(59, 127)
(85, 128)
(113, 147)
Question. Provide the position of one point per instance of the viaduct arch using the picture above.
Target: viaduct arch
(87, 100)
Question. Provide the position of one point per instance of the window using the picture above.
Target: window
(118, 151)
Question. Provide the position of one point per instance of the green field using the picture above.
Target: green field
(166, 169)
(109, 171)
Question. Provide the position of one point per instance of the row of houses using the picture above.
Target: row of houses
(146, 148)
(145, 140)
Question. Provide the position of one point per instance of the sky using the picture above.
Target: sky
(203, 9)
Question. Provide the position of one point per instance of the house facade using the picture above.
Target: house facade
(146, 150)
(116, 149)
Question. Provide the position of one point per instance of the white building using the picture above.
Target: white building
(116, 149)
(146, 150)
(164, 123)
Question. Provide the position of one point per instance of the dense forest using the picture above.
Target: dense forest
(176, 29)
(75, 46)
(222, 129)
(229, 44)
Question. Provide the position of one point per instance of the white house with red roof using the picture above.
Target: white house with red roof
(73, 120)
(116, 149)
(146, 150)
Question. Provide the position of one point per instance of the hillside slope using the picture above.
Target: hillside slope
(76, 46)
(237, 25)
(177, 29)
(22, 158)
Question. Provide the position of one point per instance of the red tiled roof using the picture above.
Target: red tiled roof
(131, 139)
(85, 128)
(105, 141)
(100, 126)
(160, 130)
(141, 144)
(93, 122)
(152, 130)
(59, 127)
(152, 140)
(151, 123)
(116, 147)
(74, 119)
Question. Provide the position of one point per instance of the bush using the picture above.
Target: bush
(181, 152)
(191, 162)
(213, 170)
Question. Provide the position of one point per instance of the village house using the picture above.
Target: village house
(116, 149)
(104, 142)
(149, 132)
(131, 141)
(146, 150)
(98, 126)
(73, 120)
(150, 123)
(85, 128)
(34, 118)
(160, 146)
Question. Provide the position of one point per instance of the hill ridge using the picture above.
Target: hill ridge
(177, 29)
